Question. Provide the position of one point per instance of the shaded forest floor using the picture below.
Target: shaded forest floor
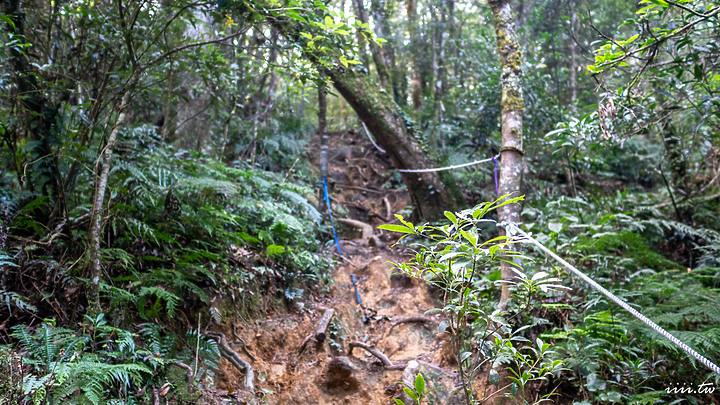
(292, 367)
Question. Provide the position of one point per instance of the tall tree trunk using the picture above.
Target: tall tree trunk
(395, 134)
(322, 131)
(380, 67)
(96, 216)
(511, 166)
(439, 71)
(573, 56)
(381, 17)
(413, 31)
(360, 37)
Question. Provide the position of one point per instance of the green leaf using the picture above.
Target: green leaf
(274, 250)
(7, 20)
(494, 377)
(396, 228)
(404, 222)
(411, 394)
(449, 215)
(419, 384)
(594, 383)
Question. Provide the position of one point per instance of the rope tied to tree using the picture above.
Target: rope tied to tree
(437, 169)
(514, 229)
(494, 159)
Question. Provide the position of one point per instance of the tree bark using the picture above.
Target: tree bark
(100, 187)
(511, 166)
(395, 134)
(413, 31)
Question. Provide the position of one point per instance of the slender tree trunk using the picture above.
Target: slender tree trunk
(439, 71)
(94, 232)
(362, 44)
(511, 167)
(381, 17)
(573, 57)
(395, 134)
(322, 131)
(380, 67)
(413, 30)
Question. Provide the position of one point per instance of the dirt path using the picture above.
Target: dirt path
(292, 367)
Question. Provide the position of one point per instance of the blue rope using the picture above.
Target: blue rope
(324, 183)
(357, 293)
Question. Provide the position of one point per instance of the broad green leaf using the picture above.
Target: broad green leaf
(396, 228)
(419, 384)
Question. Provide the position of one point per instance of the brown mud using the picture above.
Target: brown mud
(364, 188)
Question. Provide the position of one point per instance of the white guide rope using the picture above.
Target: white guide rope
(371, 138)
(437, 169)
(512, 228)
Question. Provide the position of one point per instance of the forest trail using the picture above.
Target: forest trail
(291, 366)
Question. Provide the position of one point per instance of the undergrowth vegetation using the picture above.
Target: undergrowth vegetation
(185, 233)
(599, 352)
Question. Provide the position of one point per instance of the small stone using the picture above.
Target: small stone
(339, 375)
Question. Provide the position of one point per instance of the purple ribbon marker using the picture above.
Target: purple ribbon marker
(494, 159)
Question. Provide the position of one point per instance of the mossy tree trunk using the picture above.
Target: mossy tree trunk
(394, 132)
(511, 166)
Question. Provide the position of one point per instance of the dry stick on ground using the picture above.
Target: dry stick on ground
(377, 353)
(234, 358)
(322, 327)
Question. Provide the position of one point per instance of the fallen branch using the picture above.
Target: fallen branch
(235, 359)
(387, 364)
(322, 327)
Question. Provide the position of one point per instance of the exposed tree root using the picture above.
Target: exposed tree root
(189, 375)
(235, 359)
(387, 364)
